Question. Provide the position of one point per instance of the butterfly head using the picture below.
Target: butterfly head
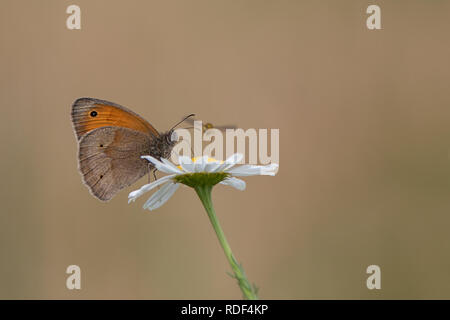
(162, 147)
(171, 137)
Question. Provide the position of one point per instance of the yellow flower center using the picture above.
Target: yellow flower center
(195, 159)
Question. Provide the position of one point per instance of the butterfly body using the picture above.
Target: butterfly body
(111, 141)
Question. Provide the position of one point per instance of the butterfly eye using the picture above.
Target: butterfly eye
(174, 136)
(93, 113)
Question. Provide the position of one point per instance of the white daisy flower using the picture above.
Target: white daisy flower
(199, 171)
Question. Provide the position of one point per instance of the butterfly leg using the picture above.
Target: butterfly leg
(149, 168)
(154, 176)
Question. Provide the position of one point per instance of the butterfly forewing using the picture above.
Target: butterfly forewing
(89, 114)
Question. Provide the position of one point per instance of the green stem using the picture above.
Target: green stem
(204, 193)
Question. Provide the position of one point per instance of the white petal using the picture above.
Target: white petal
(188, 167)
(201, 163)
(251, 170)
(223, 166)
(161, 196)
(234, 182)
(137, 193)
(173, 187)
(235, 158)
(184, 160)
(195, 166)
(270, 170)
(212, 166)
(159, 165)
(186, 163)
(230, 162)
(170, 164)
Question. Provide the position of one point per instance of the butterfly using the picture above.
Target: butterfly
(111, 140)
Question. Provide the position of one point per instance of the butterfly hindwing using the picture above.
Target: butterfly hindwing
(110, 159)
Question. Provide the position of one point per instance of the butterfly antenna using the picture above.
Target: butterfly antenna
(184, 119)
(187, 128)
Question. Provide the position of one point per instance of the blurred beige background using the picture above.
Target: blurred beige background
(364, 147)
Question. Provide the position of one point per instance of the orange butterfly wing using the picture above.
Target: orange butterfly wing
(89, 114)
